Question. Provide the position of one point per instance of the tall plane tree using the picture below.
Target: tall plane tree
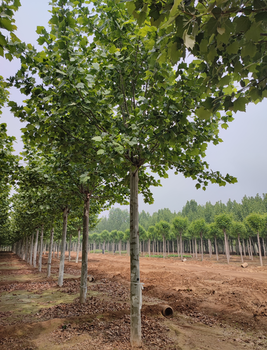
(97, 70)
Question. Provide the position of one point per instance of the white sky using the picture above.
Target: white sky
(242, 154)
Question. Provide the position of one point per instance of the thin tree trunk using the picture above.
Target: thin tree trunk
(226, 247)
(50, 253)
(41, 249)
(164, 247)
(83, 288)
(259, 247)
(263, 245)
(149, 243)
(250, 248)
(178, 246)
(31, 251)
(78, 246)
(63, 244)
(135, 290)
(240, 249)
(244, 247)
(210, 248)
(196, 247)
(70, 247)
(201, 242)
(181, 246)
(216, 248)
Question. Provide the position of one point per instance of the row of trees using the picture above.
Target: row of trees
(119, 219)
(239, 237)
(103, 103)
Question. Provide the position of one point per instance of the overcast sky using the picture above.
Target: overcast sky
(242, 154)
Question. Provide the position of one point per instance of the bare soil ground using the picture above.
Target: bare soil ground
(216, 306)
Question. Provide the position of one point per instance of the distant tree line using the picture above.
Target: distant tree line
(231, 228)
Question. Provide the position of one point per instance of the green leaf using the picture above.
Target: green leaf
(100, 151)
(250, 49)
(97, 138)
(189, 40)
(39, 29)
(3, 41)
(204, 45)
(174, 8)
(224, 126)
(80, 86)
(221, 31)
(96, 66)
(242, 23)
(203, 113)
(130, 7)
(233, 48)
(6, 24)
(240, 104)
(254, 33)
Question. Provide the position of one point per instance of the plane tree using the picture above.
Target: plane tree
(142, 113)
(228, 37)
(256, 222)
(238, 230)
(179, 227)
(224, 222)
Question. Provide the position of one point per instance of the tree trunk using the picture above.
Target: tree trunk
(210, 248)
(178, 246)
(244, 247)
(226, 247)
(164, 247)
(41, 249)
(149, 243)
(63, 244)
(181, 246)
(263, 245)
(216, 248)
(259, 247)
(250, 248)
(136, 291)
(196, 247)
(201, 242)
(83, 288)
(31, 251)
(240, 249)
(78, 246)
(70, 247)
(50, 253)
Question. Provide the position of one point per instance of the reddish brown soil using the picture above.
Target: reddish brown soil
(216, 306)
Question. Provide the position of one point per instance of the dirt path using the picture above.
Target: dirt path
(216, 306)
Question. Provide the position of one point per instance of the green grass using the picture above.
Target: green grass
(168, 256)
(99, 251)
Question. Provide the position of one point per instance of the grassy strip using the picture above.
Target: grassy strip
(168, 256)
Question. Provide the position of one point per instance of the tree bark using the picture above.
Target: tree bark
(164, 247)
(50, 253)
(263, 245)
(240, 249)
(31, 251)
(250, 248)
(226, 247)
(63, 245)
(201, 243)
(216, 248)
(41, 249)
(181, 246)
(259, 247)
(135, 290)
(70, 247)
(78, 246)
(83, 287)
(35, 248)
